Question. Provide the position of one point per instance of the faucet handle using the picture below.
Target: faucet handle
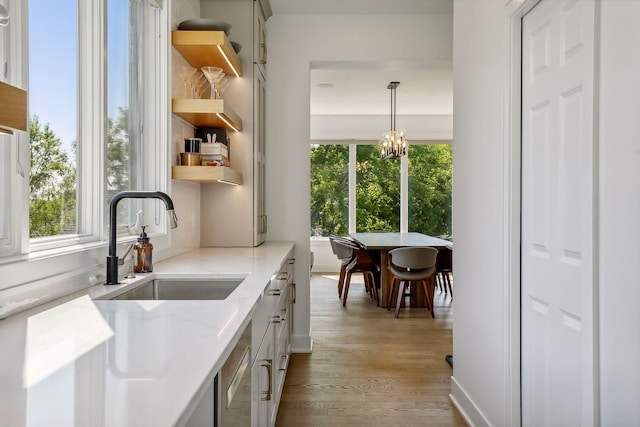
(121, 260)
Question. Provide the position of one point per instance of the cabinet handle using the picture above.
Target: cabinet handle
(263, 61)
(285, 357)
(264, 221)
(274, 292)
(294, 293)
(292, 260)
(267, 394)
(284, 314)
(276, 319)
(284, 276)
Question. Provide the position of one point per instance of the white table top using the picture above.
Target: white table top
(89, 362)
(396, 240)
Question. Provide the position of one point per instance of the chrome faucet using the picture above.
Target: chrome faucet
(112, 259)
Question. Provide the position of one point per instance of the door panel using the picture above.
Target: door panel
(558, 200)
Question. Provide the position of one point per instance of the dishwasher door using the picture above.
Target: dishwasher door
(235, 385)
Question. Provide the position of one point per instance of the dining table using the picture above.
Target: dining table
(386, 241)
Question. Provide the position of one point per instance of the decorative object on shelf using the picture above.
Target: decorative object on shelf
(190, 159)
(205, 25)
(192, 145)
(219, 137)
(393, 144)
(236, 46)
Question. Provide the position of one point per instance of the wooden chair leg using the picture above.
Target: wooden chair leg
(347, 282)
(448, 278)
(428, 296)
(341, 280)
(374, 289)
(401, 290)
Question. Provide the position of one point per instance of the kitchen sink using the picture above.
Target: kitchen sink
(180, 289)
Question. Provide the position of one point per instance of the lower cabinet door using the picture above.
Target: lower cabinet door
(262, 382)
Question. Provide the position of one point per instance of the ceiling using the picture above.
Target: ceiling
(357, 99)
(362, 7)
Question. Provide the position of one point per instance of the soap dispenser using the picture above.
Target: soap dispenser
(144, 254)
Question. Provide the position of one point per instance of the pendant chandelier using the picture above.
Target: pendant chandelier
(393, 144)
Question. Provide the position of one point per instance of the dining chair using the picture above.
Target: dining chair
(360, 262)
(345, 258)
(444, 270)
(409, 265)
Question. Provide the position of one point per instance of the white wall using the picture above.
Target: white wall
(479, 68)
(481, 377)
(294, 41)
(620, 214)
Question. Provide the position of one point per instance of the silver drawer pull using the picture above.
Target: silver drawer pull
(286, 358)
(294, 293)
(276, 319)
(273, 292)
(267, 394)
(284, 314)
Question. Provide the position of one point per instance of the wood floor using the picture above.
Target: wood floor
(368, 368)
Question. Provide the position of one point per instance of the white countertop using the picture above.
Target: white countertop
(88, 362)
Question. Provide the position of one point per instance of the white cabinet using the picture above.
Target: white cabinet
(248, 20)
(260, 34)
(271, 339)
(259, 157)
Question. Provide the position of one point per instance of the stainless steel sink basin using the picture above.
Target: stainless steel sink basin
(177, 289)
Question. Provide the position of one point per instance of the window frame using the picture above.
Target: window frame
(91, 164)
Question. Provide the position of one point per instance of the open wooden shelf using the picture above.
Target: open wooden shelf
(207, 113)
(13, 107)
(203, 48)
(207, 174)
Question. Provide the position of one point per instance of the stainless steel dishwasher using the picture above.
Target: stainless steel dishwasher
(234, 385)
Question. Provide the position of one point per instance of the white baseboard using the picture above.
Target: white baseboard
(467, 408)
(301, 344)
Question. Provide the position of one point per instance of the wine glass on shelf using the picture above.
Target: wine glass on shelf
(186, 73)
(211, 73)
(217, 84)
(221, 86)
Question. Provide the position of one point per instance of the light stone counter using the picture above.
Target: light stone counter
(90, 362)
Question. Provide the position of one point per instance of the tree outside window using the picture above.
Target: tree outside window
(377, 190)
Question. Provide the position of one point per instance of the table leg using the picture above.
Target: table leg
(385, 278)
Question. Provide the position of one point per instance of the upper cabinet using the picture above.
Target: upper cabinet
(199, 49)
(260, 36)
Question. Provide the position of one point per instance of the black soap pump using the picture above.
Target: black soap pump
(144, 251)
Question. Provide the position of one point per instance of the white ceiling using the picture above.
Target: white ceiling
(361, 88)
(362, 7)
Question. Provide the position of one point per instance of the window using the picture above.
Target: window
(329, 190)
(77, 76)
(376, 186)
(377, 191)
(53, 124)
(430, 172)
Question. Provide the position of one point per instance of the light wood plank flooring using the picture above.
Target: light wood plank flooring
(368, 368)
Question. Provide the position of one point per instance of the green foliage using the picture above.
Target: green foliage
(378, 190)
(329, 190)
(430, 172)
(52, 186)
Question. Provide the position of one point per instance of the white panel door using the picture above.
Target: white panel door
(558, 229)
